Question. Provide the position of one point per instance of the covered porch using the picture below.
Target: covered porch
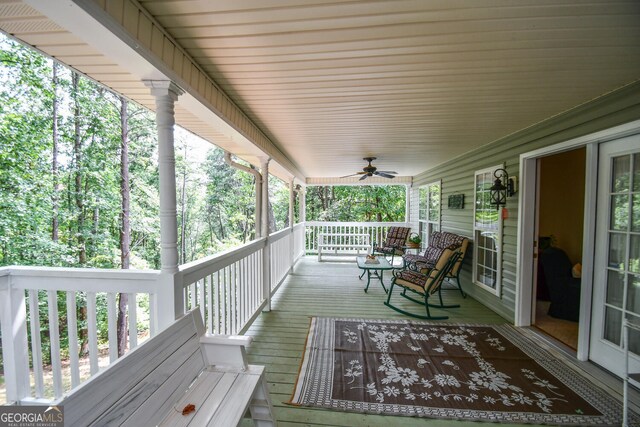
(230, 304)
(445, 95)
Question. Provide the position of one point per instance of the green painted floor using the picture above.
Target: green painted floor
(332, 289)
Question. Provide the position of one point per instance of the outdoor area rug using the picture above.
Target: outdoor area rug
(466, 372)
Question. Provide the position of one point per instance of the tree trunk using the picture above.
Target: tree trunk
(272, 218)
(77, 159)
(54, 157)
(77, 154)
(125, 224)
(221, 224)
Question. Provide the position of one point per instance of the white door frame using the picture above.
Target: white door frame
(527, 217)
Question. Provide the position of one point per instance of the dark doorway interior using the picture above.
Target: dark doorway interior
(560, 228)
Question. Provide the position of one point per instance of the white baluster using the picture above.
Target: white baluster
(92, 332)
(112, 327)
(216, 287)
(210, 302)
(202, 302)
(133, 320)
(36, 344)
(54, 338)
(72, 331)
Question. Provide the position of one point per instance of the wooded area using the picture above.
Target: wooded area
(79, 185)
(79, 178)
(366, 203)
(79, 182)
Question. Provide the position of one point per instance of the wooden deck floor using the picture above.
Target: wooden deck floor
(332, 290)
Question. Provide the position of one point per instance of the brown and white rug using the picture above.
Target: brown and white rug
(467, 372)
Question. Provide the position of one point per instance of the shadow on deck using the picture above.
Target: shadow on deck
(332, 289)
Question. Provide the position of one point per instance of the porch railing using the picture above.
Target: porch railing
(230, 288)
(281, 257)
(376, 231)
(298, 240)
(89, 289)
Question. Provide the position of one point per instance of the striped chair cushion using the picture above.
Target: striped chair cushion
(388, 250)
(412, 280)
(418, 281)
(395, 240)
(450, 240)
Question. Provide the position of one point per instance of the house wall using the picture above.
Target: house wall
(561, 207)
(457, 177)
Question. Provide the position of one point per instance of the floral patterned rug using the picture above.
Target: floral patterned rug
(469, 372)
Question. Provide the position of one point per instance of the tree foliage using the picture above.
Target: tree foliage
(365, 203)
(60, 184)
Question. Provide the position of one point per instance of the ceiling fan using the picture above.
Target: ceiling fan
(371, 170)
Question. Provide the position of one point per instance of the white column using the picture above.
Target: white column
(264, 170)
(302, 196)
(13, 319)
(292, 244)
(266, 255)
(170, 299)
(303, 204)
(258, 216)
(407, 203)
(292, 202)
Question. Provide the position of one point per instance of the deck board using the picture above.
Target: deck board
(332, 289)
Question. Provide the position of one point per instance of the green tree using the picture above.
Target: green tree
(365, 203)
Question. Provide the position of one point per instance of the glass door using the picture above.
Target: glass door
(616, 293)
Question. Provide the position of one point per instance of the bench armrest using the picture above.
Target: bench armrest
(225, 351)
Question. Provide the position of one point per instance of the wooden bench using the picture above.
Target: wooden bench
(181, 365)
(338, 244)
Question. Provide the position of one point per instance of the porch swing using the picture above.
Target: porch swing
(425, 285)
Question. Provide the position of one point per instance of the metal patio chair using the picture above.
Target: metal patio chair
(425, 285)
(393, 243)
(427, 260)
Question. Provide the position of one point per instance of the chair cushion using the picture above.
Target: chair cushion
(395, 240)
(419, 281)
(431, 255)
(450, 240)
(411, 280)
(426, 261)
(411, 258)
(436, 239)
(388, 250)
(397, 237)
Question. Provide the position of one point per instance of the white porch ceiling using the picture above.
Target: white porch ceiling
(412, 82)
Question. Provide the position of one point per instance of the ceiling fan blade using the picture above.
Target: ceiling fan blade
(364, 177)
(383, 174)
(353, 174)
(389, 172)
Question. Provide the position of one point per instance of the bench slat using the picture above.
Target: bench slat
(196, 395)
(174, 375)
(207, 401)
(164, 399)
(237, 401)
(100, 393)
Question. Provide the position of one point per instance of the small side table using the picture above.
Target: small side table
(412, 248)
(375, 270)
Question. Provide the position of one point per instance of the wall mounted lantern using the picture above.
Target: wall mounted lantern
(499, 191)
